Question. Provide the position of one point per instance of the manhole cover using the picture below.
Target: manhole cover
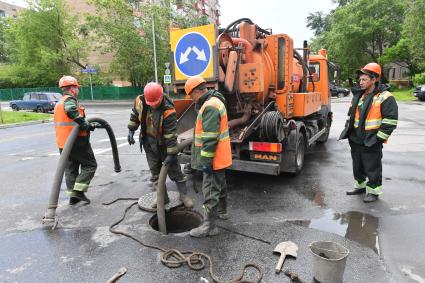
(178, 220)
(145, 202)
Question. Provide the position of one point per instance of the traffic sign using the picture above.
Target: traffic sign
(88, 71)
(167, 79)
(192, 49)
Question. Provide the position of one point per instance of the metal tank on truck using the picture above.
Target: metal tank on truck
(277, 99)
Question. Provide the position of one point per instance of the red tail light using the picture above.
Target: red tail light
(265, 146)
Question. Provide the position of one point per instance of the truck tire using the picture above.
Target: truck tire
(15, 107)
(299, 153)
(324, 138)
(40, 109)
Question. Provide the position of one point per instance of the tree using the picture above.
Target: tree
(3, 52)
(360, 31)
(414, 32)
(125, 29)
(44, 43)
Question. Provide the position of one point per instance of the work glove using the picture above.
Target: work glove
(94, 125)
(130, 137)
(170, 159)
(85, 126)
(207, 169)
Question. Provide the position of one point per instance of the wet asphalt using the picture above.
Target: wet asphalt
(385, 239)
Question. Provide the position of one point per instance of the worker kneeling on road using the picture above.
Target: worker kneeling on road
(372, 117)
(68, 113)
(154, 112)
(211, 152)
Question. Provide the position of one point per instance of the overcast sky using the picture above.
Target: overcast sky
(283, 16)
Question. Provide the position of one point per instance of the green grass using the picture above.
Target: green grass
(9, 117)
(404, 94)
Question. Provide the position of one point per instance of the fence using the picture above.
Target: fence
(99, 92)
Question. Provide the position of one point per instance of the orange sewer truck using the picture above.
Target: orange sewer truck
(277, 99)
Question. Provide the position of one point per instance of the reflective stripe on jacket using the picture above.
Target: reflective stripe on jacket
(64, 124)
(374, 118)
(204, 141)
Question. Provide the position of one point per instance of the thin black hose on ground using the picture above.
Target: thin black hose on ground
(174, 258)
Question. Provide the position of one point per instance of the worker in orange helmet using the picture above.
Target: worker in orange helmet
(154, 112)
(81, 165)
(211, 153)
(372, 117)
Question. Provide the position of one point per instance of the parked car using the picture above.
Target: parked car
(339, 91)
(36, 101)
(420, 92)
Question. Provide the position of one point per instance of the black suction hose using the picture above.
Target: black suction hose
(50, 215)
(160, 193)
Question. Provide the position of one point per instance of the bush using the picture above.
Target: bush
(419, 79)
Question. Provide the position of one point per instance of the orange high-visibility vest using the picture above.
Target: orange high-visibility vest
(223, 154)
(64, 124)
(150, 129)
(374, 117)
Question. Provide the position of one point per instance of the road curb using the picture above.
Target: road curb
(25, 123)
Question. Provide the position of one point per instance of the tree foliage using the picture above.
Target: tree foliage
(360, 31)
(44, 43)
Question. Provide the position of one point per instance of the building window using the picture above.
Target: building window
(2, 13)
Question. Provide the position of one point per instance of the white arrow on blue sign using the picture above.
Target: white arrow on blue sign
(192, 54)
(88, 71)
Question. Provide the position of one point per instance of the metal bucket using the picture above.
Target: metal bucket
(329, 260)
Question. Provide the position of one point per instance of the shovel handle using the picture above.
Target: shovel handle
(280, 263)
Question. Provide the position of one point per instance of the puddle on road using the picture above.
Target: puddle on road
(353, 225)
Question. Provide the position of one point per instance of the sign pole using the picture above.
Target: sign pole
(154, 49)
(91, 87)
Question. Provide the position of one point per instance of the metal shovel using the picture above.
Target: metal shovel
(285, 248)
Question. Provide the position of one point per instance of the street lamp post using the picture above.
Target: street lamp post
(154, 48)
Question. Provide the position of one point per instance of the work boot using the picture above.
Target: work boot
(356, 192)
(207, 228)
(370, 198)
(77, 197)
(222, 209)
(182, 188)
(166, 200)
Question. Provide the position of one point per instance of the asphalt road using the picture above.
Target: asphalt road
(385, 239)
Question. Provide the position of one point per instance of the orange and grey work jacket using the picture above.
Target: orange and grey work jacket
(212, 143)
(373, 118)
(63, 123)
(157, 125)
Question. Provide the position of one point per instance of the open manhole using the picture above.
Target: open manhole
(178, 220)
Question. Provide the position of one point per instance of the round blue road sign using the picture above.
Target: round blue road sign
(193, 54)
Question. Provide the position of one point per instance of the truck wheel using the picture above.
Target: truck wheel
(15, 107)
(324, 138)
(300, 152)
(40, 109)
(340, 95)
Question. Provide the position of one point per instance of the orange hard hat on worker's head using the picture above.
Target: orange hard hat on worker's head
(153, 93)
(371, 69)
(192, 83)
(68, 81)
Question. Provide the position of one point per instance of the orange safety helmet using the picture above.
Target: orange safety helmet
(68, 81)
(373, 68)
(192, 83)
(153, 93)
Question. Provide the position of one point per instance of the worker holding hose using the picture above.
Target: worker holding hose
(211, 152)
(154, 112)
(81, 165)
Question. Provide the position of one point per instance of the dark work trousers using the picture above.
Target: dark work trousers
(156, 154)
(214, 188)
(367, 163)
(80, 168)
